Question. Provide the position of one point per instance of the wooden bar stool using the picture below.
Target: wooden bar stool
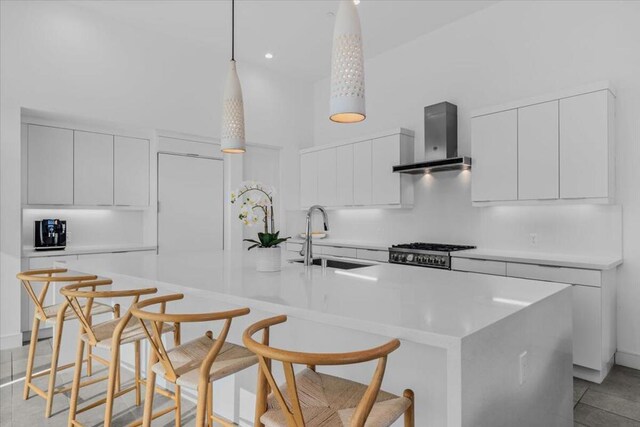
(55, 315)
(312, 399)
(109, 335)
(195, 364)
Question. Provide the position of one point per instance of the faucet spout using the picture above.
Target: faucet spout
(307, 248)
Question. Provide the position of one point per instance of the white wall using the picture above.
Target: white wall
(56, 57)
(509, 51)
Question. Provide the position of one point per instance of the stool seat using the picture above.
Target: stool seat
(132, 332)
(330, 401)
(187, 359)
(51, 311)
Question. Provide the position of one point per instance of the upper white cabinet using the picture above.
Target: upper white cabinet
(308, 179)
(538, 172)
(358, 172)
(50, 165)
(344, 175)
(586, 159)
(131, 171)
(362, 173)
(327, 177)
(495, 157)
(550, 149)
(93, 168)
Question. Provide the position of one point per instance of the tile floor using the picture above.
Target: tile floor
(614, 403)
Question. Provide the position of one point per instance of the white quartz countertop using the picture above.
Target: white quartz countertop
(563, 260)
(424, 305)
(30, 252)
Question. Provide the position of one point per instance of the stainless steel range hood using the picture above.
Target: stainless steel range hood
(440, 142)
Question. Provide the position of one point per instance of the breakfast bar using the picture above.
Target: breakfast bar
(477, 350)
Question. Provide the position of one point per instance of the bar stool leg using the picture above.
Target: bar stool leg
(75, 387)
(54, 363)
(178, 406)
(137, 372)
(114, 371)
(201, 408)
(409, 414)
(149, 390)
(89, 353)
(210, 405)
(32, 352)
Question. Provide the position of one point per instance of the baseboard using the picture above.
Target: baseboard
(10, 341)
(630, 360)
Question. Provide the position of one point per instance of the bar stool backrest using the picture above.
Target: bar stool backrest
(293, 414)
(89, 292)
(47, 276)
(157, 319)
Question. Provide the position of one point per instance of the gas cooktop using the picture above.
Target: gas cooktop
(436, 255)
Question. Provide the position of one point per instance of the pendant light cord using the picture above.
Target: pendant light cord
(233, 29)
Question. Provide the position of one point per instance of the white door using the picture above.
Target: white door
(495, 156)
(344, 175)
(327, 188)
(190, 198)
(92, 168)
(50, 166)
(584, 148)
(131, 171)
(362, 173)
(385, 153)
(538, 151)
(308, 179)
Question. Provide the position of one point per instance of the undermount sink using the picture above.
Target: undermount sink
(334, 263)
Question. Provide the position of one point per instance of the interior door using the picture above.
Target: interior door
(190, 209)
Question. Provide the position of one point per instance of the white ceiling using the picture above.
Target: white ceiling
(297, 32)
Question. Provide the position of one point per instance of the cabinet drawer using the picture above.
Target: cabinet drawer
(498, 268)
(294, 247)
(372, 255)
(338, 251)
(574, 276)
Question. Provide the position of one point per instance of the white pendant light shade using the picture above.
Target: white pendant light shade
(347, 67)
(233, 114)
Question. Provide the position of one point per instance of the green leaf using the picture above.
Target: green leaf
(253, 246)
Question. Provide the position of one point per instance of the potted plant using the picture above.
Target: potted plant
(256, 204)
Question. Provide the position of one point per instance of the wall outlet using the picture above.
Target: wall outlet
(533, 239)
(524, 366)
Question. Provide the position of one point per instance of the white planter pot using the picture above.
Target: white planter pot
(268, 259)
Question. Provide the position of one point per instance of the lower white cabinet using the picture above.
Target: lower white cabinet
(587, 327)
(372, 255)
(485, 266)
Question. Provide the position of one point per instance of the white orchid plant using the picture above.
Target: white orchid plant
(256, 205)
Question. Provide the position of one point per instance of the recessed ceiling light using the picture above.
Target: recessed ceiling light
(268, 55)
(356, 2)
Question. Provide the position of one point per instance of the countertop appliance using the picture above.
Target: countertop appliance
(435, 255)
(50, 235)
(440, 142)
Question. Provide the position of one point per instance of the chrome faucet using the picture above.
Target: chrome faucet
(307, 247)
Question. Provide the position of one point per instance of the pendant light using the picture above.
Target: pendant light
(232, 138)
(347, 67)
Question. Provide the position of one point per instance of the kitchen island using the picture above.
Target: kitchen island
(477, 350)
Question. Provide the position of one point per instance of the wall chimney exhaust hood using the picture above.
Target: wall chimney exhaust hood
(440, 142)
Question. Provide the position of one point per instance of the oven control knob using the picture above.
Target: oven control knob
(409, 257)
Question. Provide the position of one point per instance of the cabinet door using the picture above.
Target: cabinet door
(495, 157)
(308, 179)
(584, 146)
(362, 173)
(587, 327)
(344, 174)
(538, 151)
(131, 171)
(50, 165)
(327, 188)
(385, 153)
(93, 168)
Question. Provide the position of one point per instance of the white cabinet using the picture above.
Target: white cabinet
(131, 171)
(93, 168)
(308, 179)
(50, 166)
(586, 161)
(344, 175)
(385, 153)
(587, 327)
(327, 177)
(484, 266)
(372, 255)
(538, 171)
(362, 173)
(495, 157)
